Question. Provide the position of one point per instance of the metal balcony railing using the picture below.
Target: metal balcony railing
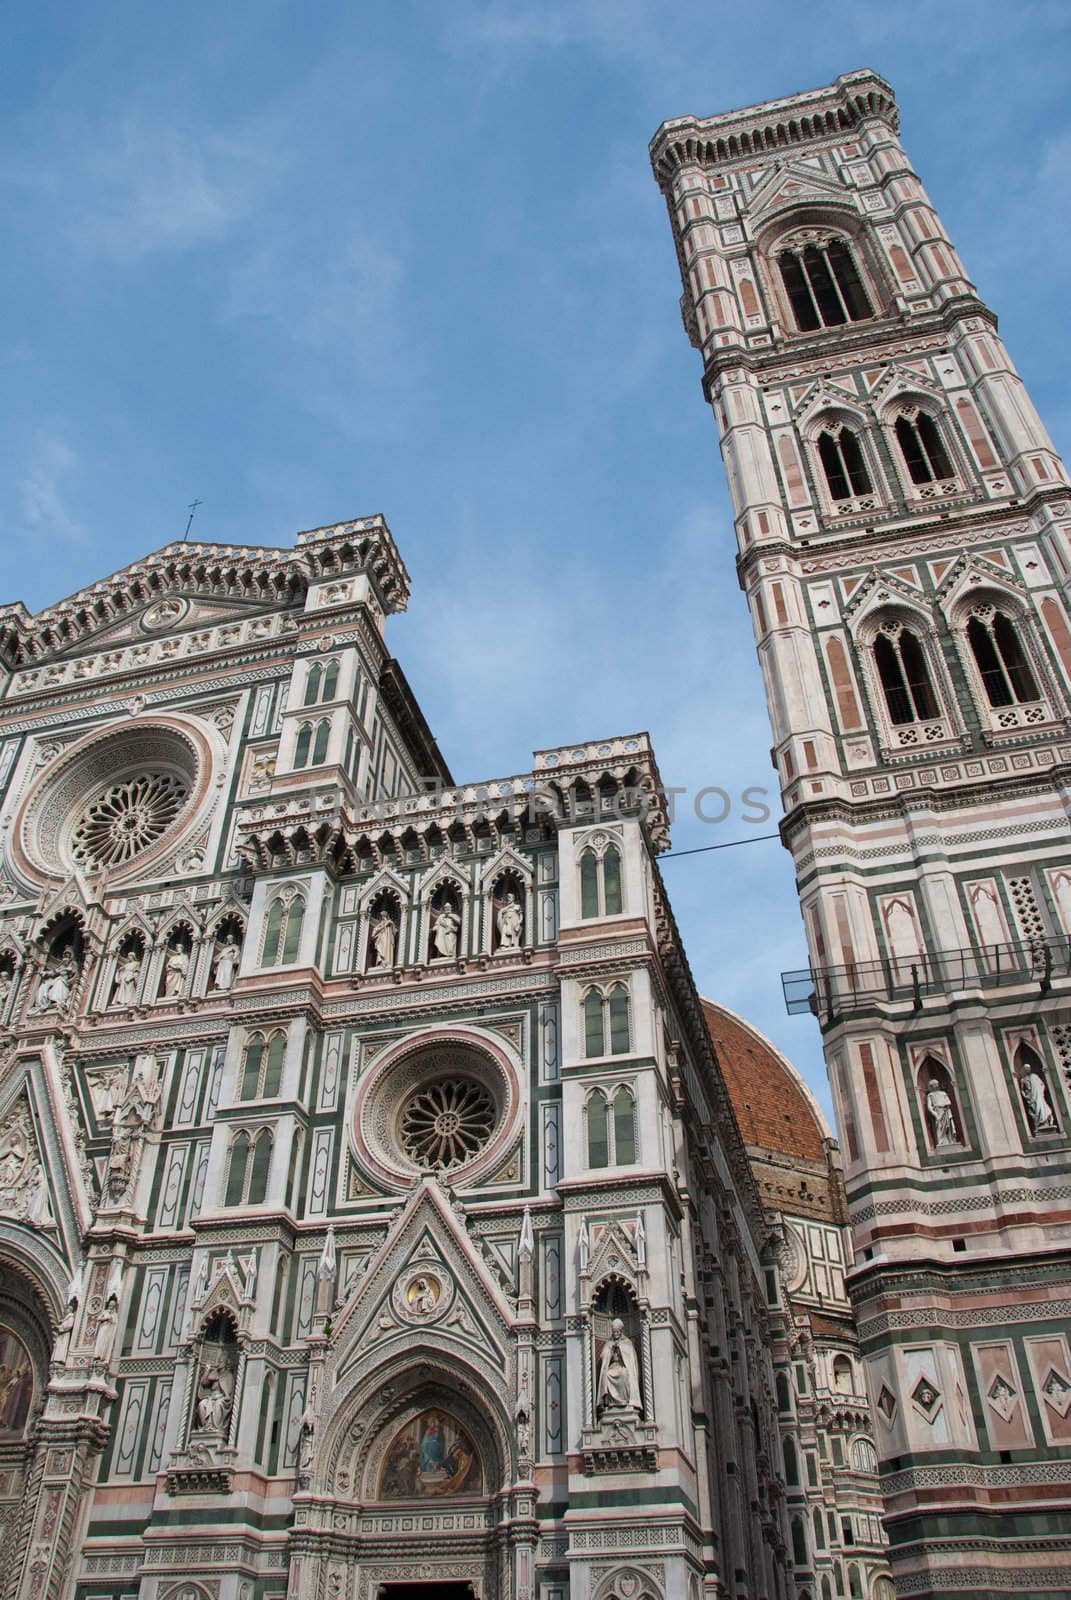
(831, 991)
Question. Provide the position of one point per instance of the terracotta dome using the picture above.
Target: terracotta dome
(775, 1109)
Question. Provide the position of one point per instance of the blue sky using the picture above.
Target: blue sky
(311, 262)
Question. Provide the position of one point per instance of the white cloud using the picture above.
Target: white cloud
(44, 492)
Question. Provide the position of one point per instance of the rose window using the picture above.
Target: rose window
(445, 1123)
(127, 818)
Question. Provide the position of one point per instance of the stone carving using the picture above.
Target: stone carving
(107, 1090)
(130, 1123)
(618, 1386)
(423, 1294)
(445, 929)
(57, 984)
(941, 1114)
(176, 967)
(6, 980)
(127, 980)
(225, 968)
(384, 936)
(510, 923)
(1039, 1112)
(262, 772)
(23, 1190)
(215, 1391)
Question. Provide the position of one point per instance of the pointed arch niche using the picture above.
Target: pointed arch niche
(417, 1453)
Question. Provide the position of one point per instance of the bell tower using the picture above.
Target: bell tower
(902, 524)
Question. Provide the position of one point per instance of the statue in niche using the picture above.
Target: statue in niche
(109, 1090)
(216, 1377)
(384, 936)
(127, 980)
(444, 931)
(130, 1122)
(618, 1384)
(57, 984)
(1038, 1107)
(176, 967)
(510, 923)
(6, 980)
(941, 1113)
(23, 1190)
(225, 969)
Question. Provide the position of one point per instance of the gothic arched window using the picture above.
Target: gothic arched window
(262, 1071)
(923, 451)
(904, 674)
(236, 1170)
(282, 931)
(303, 745)
(606, 1021)
(611, 1127)
(799, 1543)
(624, 1128)
(319, 749)
(843, 464)
(598, 1130)
(259, 1168)
(792, 1465)
(312, 685)
(823, 285)
(1000, 658)
(600, 883)
(321, 683)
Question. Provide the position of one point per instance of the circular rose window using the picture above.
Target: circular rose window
(127, 818)
(447, 1122)
(115, 801)
(447, 1104)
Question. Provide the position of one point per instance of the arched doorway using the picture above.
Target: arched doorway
(411, 1476)
(25, 1350)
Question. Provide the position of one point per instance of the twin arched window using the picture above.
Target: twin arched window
(600, 883)
(923, 451)
(611, 1128)
(904, 675)
(606, 1022)
(282, 931)
(247, 1179)
(310, 749)
(921, 445)
(262, 1068)
(321, 683)
(823, 285)
(1000, 658)
(843, 464)
(904, 671)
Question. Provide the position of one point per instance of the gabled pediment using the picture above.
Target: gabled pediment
(793, 185)
(426, 1284)
(168, 615)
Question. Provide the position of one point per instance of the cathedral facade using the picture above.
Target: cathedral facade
(903, 523)
(374, 1218)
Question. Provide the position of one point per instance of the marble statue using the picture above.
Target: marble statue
(175, 969)
(942, 1116)
(619, 1371)
(1039, 1112)
(510, 923)
(226, 966)
(127, 980)
(56, 984)
(6, 981)
(215, 1392)
(444, 931)
(384, 939)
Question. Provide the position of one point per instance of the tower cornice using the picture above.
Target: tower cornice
(740, 137)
